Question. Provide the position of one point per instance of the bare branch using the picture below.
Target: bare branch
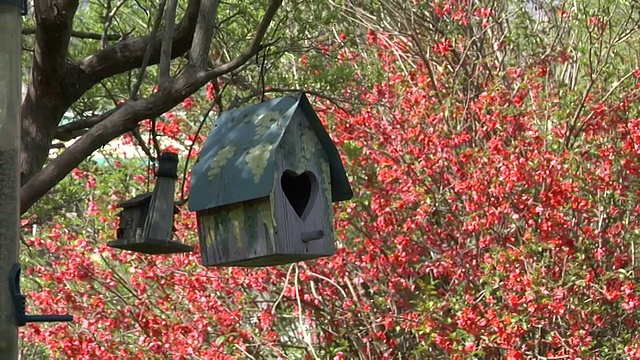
(81, 35)
(143, 145)
(167, 38)
(111, 13)
(72, 130)
(255, 47)
(147, 53)
(201, 45)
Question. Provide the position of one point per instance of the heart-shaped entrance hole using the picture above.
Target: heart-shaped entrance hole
(299, 190)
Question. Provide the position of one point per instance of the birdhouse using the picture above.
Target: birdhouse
(146, 221)
(264, 184)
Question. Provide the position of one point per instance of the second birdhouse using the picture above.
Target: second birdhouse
(263, 186)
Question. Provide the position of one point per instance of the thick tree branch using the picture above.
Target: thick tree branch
(128, 54)
(54, 19)
(126, 117)
(46, 102)
(199, 55)
(165, 52)
(81, 35)
(99, 135)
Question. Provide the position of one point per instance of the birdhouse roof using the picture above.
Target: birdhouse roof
(224, 173)
(136, 201)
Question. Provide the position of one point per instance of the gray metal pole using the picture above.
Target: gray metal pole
(10, 98)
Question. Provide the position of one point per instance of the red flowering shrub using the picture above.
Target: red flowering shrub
(495, 216)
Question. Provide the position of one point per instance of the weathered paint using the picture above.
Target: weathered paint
(264, 122)
(257, 158)
(236, 219)
(309, 143)
(238, 234)
(326, 180)
(250, 225)
(266, 211)
(220, 160)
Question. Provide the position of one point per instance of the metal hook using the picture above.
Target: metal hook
(19, 302)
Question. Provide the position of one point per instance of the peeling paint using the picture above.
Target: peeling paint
(308, 141)
(257, 158)
(220, 160)
(220, 230)
(326, 180)
(267, 216)
(264, 122)
(236, 218)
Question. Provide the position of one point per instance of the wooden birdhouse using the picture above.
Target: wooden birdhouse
(263, 186)
(146, 221)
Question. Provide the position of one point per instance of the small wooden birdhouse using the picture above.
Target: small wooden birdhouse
(263, 186)
(146, 221)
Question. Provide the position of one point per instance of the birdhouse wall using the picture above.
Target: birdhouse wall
(132, 222)
(244, 234)
(238, 234)
(159, 225)
(302, 201)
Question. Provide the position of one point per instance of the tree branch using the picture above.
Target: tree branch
(128, 54)
(165, 51)
(66, 132)
(199, 54)
(147, 53)
(81, 35)
(143, 145)
(54, 21)
(126, 117)
(256, 44)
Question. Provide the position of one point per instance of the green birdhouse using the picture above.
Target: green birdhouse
(264, 184)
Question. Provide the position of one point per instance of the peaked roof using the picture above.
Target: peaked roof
(223, 174)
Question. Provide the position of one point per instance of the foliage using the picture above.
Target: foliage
(494, 152)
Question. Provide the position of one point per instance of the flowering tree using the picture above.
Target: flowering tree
(493, 151)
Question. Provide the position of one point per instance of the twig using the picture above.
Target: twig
(284, 288)
(108, 20)
(255, 47)
(147, 54)
(142, 144)
(195, 138)
(300, 319)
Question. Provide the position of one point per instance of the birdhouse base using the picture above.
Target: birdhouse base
(269, 260)
(151, 246)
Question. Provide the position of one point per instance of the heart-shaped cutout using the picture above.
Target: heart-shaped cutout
(300, 190)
